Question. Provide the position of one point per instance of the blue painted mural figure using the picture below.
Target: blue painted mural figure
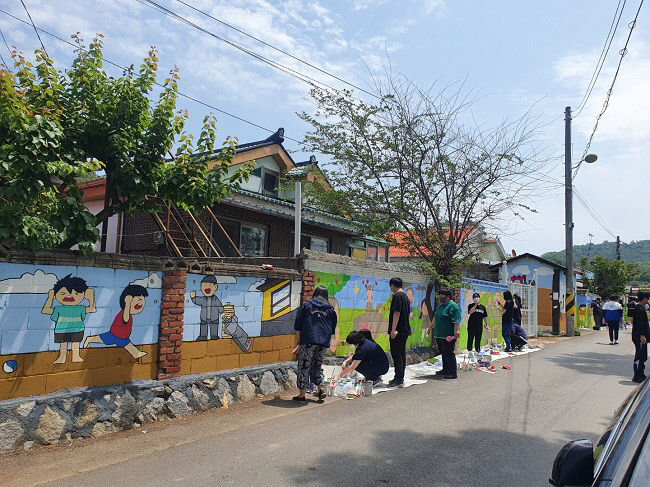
(132, 301)
(212, 309)
(69, 316)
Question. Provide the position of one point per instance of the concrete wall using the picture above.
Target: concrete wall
(29, 353)
(361, 296)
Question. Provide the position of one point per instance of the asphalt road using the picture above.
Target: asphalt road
(481, 430)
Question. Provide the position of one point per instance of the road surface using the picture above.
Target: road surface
(502, 429)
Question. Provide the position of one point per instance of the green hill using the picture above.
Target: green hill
(635, 251)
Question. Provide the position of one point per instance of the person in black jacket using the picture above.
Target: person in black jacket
(640, 336)
(315, 324)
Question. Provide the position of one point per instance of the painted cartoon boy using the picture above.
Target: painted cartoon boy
(211, 308)
(132, 302)
(69, 317)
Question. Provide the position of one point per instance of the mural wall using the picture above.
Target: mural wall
(364, 302)
(67, 326)
(234, 321)
(491, 293)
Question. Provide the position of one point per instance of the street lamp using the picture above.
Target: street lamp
(591, 158)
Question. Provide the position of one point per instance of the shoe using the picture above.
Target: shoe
(440, 372)
(394, 383)
(611, 343)
(321, 394)
(201, 338)
(449, 376)
(638, 380)
(377, 382)
(299, 398)
(616, 342)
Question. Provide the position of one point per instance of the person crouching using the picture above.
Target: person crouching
(369, 359)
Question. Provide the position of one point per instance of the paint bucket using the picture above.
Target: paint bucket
(228, 311)
(366, 388)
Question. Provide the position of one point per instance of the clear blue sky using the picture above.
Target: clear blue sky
(513, 53)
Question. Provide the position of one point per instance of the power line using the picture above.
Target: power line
(281, 67)
(1, 57)
(222, 22)
(613, 27)
(597, 218)
(180, 93)
(622, 53)
(35, 29)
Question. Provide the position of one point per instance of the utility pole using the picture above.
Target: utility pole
(568, 223)
(589, 251)
(618, 248)
(297, 231)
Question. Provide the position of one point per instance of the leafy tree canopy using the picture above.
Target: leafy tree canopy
(610, 277)
(59, 127)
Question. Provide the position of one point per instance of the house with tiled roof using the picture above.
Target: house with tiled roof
(255, 221)
(487, 249)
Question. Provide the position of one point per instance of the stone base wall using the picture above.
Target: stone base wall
(95, 411)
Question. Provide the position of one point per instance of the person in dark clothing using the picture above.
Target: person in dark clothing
(640, 336)
(516, 312)
(369, 359)
(315, 324)
(399, 329)
(476, 322)
(613, 314)
(507, 309)
(597, 311)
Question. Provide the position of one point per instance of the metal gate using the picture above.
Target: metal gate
(528, 294)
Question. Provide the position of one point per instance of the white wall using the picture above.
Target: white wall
(111, 242)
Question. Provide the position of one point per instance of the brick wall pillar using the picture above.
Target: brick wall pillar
(307, 286)
(170, 337)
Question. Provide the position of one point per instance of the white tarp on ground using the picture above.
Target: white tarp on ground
(419, 373)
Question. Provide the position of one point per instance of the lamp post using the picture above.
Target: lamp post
(568, 220)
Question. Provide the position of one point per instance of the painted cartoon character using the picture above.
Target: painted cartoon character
(132, 301)
(211, 308)
(69, 317)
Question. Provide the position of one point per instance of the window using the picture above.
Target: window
(252, 240)
(270, 182)
(319, 244)
(232, 229)
(281, 299)
(257, 172)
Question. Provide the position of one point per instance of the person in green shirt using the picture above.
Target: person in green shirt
(445, 327)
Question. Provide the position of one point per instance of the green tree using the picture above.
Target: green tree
(608, 277)
(57, 127)
(414, 162)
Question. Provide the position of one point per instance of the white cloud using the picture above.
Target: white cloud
(153, 281)
(520, 270)
(253, 287)
(226, 280)
(37, 283)
(544, 271)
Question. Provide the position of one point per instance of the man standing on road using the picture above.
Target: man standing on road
(597, 311)
(446, 328)
(613, 314)
(399, 329)
(640, 336)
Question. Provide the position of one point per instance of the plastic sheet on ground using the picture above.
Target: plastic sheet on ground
(417, 374)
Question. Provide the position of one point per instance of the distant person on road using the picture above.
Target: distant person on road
(613, 313)
(369, 359)
(446, 329)
(622, 323)
(399, 329)
(315, 324)
(597, 312)
(507, 319)
(476, 322)
(640, 336)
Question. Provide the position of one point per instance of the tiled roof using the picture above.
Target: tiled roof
(285, 209)
(403, 250)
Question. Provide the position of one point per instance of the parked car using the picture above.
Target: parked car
(622, 455)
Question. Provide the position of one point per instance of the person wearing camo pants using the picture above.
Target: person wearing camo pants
(315, 324)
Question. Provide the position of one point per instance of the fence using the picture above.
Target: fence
(528, 294)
